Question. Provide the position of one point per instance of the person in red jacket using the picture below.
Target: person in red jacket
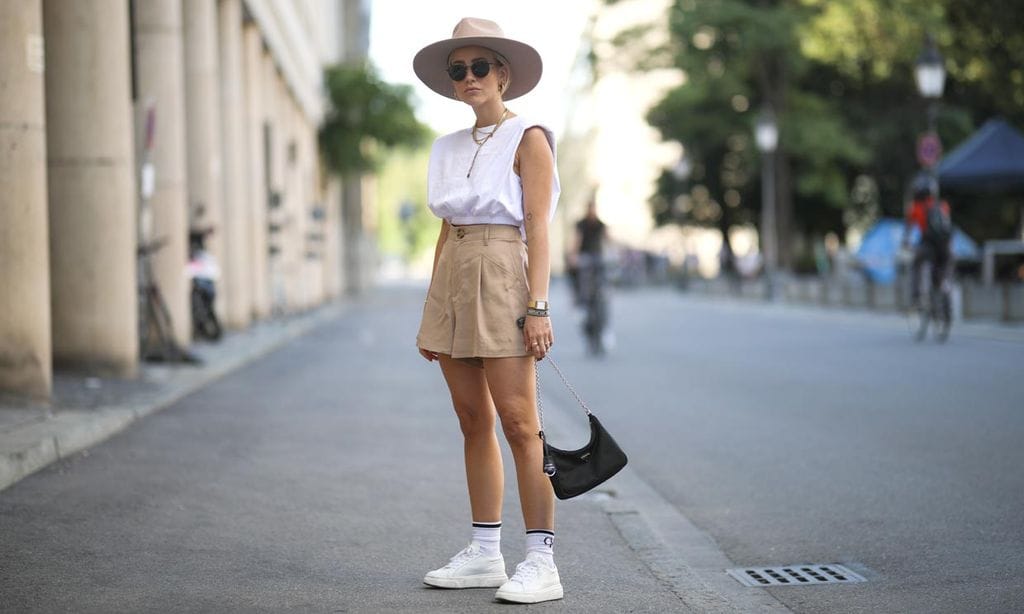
(932, 219)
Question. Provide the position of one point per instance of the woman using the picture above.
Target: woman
(494, 186)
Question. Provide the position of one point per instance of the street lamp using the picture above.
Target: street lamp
(766, 133)
(930, 71)
(930, 75)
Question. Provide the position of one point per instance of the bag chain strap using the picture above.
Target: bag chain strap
(549, 467)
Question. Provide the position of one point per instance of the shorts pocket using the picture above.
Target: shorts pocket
(512, 263)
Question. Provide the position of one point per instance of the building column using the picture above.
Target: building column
(274, 159)
(315, 205)
(311, 246)
(25, 356)
(293, 252)
(334, 281)
(159, 80)
(256, 169)
(235, 268)
(202, 128)
(91, 181)
(354, 241)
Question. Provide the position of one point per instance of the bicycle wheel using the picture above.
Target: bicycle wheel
(918, 317)
(923, 319)
(943, 314)
(594, 325)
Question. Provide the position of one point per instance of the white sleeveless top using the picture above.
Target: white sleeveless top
(493, 193)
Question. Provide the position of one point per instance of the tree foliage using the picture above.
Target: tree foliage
(365, 113)
(839, 77)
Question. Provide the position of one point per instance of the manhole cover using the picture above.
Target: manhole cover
(794, 575)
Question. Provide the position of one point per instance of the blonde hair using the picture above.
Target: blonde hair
(503, 86)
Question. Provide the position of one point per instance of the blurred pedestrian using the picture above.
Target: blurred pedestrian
(495, 187)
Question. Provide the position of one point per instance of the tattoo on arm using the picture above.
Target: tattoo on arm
(529, 217)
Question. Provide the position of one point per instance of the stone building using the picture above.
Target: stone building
(126, 123)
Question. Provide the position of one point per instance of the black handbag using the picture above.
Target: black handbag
(574, 472)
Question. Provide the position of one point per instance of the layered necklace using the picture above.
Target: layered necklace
(486, 136)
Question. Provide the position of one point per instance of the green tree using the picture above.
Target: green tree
(839, 76)
(366, 115)
(739, 57)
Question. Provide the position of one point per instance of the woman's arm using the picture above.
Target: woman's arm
(536, 169)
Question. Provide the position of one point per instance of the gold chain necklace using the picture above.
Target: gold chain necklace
(487, 136)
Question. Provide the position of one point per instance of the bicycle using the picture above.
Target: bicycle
(156, 330)
(593, 298)
(934, 308)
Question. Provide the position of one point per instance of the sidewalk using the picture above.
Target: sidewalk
(85, 411)
(717, 291)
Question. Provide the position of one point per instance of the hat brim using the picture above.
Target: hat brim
(431, 63)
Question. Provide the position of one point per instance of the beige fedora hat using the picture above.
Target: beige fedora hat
(431, 63)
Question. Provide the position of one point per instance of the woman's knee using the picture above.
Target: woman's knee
(474, 419)
(520, 429)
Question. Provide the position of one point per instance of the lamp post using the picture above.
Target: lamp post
(930, 76)
(766, 133)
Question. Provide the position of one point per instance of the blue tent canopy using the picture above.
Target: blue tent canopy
(991, 160)
(881, 245)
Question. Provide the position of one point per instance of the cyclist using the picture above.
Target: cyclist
(932, 219)
(587, 266)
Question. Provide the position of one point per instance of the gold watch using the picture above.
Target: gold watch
(541, 304)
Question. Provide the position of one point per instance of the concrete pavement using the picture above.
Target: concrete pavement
(85, 411)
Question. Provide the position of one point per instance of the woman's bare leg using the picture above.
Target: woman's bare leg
(512, 385)
(475, 410)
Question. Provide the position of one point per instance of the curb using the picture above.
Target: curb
(31, 446)
(681, 556)
(976, 328)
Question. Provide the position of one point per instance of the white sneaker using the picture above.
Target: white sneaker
(535, 580)
(470, 568)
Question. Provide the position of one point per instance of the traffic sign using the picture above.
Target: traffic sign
(929, 149)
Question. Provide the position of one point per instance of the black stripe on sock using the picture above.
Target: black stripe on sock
(487, 525)
(544, 531)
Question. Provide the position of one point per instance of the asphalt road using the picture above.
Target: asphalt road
(807, 436)
(327, 476)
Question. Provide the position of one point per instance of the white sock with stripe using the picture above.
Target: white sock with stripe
(488, 536)
(541, 541)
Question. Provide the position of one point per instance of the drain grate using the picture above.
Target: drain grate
(795, 575)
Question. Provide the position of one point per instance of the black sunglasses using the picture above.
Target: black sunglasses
(480, 68)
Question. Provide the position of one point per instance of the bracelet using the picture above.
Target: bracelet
(537, 313)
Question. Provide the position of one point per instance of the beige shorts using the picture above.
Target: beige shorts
(477, 293)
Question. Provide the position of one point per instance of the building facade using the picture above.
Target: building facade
(124, 124)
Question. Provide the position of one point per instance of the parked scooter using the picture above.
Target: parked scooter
(203, 270)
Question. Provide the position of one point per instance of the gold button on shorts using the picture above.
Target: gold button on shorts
(477, 293)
